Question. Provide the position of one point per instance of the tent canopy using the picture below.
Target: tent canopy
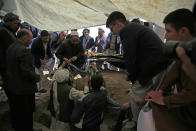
(57, 15)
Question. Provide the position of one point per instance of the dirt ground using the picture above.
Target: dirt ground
(116, 85)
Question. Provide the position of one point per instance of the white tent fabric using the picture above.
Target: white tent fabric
(57, 15)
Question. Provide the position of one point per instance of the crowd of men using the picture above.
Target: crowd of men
(169, 85)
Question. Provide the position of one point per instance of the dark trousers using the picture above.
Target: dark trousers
(21, 108)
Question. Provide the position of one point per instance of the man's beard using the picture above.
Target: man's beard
(74, 42)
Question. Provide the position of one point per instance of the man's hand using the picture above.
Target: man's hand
(74, 58)
(125, 105)
(98, 42)
(65, 59)
(156, 97)
(63, 64)
(187, 66)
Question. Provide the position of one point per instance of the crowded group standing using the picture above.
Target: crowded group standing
(78, 91)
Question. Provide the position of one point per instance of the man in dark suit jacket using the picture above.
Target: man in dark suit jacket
(42, 56)
(41, 49)
(87, 41)
(7, 37)
(21, 82)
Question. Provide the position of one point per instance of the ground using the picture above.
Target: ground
(116, 85)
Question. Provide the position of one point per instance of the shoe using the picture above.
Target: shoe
(42, 91)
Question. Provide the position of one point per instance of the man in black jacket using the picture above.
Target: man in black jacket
(41, 49)
(42, 56)
(87, 41)
(72, 51)
(143, 52)
(7, 36)
(21, 82)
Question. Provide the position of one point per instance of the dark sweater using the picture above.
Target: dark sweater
(68, 50)
(143, 52)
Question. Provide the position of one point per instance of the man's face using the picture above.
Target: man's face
(63, 35)
(86, 33)
(171, 33)
(115, 28)
(29, 39)
(74, 40)
(45, 39)
(14, 25)
(101, 32)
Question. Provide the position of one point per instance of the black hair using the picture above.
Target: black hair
(21, 33)
(181, 18)
(25, 25)
(116, 15)
(44, 33)
(136, 20)
(10, 17)
(96, 82)
(86, 30)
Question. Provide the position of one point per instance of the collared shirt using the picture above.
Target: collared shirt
(45, 49)
(84, 42)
